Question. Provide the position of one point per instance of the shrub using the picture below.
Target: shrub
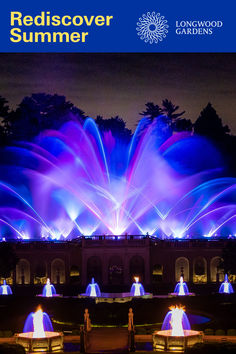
(212, 348)
(231, 332)
(11, 349)
(209, 332)
(220, 332)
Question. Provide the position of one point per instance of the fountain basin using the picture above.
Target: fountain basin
(53, 341)
(177, 294)
(181, 289)
(48, 297)
(164, 341)
(49, 290)
(116, 297)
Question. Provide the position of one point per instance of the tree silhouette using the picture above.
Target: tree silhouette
(39, 112)
(4, 108)
(209, 124)
(116, 125)
(229, 258)
(4, 111)
(8, 259)
(169, 109)
(170, 117)
(152, 111)
(182, 124)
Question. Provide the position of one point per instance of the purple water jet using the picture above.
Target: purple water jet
(77, 181)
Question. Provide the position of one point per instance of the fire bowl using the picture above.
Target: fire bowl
(164, 341)
(53, 341)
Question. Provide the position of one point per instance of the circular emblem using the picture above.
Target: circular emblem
(152, 27)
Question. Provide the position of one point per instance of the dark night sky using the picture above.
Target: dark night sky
(120, 84)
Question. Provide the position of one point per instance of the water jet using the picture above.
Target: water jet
(5, 289)
(38, 334)
(176, 334)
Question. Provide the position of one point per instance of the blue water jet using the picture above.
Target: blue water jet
(181, 288)
(5, 289)
(137, 288)
(226, 287)
(93, 289)
(167, 323)
(29, 323)
(49, 289)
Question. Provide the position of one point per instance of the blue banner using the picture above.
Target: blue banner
(118, 26)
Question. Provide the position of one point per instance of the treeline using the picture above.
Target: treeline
(45, 111)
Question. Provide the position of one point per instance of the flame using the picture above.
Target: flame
(136, 279)
(176, 320)
(38, 324)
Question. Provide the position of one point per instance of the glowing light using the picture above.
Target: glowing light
(181, 288)
(38, 334)
(78, 179)
(5, 289)
(38, 324)
(48, 289)
(25, 236)
(176, 321)
(93, 289)
(137, 288)
(226, 287)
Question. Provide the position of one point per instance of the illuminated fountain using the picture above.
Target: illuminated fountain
(49, 290)
(181, 288)
(79, 181)
(5, 289)
(93, 289)
(137, 288)
(226, 287)
(38, 334)
(176, 333)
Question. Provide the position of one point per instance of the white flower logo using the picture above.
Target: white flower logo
(152, 27)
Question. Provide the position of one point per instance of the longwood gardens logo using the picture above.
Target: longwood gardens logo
(152, 27)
